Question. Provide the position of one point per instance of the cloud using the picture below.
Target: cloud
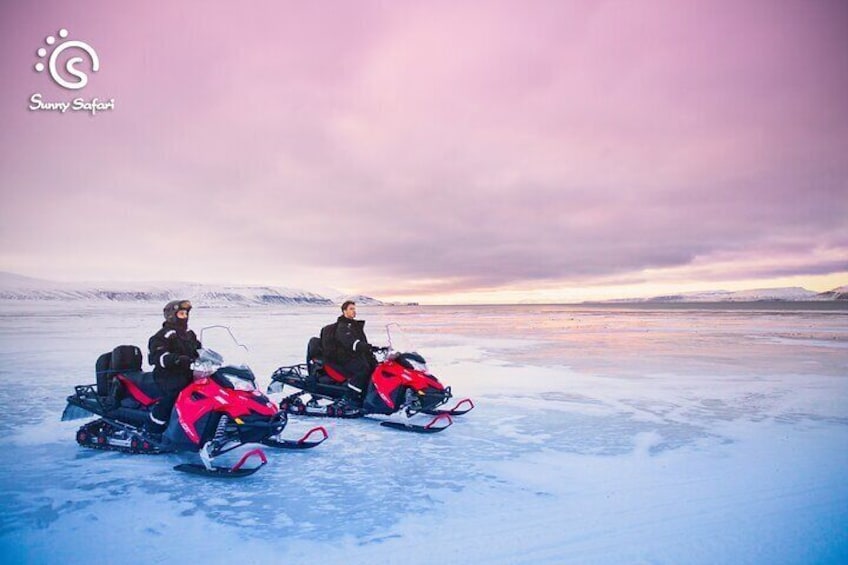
(436, 146)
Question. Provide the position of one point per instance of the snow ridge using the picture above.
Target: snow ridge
(786, 294)
(18, 288)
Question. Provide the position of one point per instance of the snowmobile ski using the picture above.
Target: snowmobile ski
(294, 404)
(455, 411)
(429, 428)
(301, 443)
(237, 471)
(339, 408)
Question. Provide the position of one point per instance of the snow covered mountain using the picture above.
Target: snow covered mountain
(787, 294)
(19, 288)
(838, 293)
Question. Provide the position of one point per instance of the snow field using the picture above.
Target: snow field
(597, 438)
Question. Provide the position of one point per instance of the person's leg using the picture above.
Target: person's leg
(162, 411)
(358, 371)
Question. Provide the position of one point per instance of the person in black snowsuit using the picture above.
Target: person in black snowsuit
(352, 354)
(172, 350)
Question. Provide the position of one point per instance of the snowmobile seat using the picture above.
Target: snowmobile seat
(141, 386)
(132, 415)
(332, 375)
(323, 372)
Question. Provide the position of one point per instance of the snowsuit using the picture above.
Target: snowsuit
(353, 354)
(166, 348)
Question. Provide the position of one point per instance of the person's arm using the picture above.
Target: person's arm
(349, 341)
(159, 354)
(197, 344)
(360, 343)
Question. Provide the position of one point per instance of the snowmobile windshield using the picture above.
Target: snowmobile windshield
(402, 348)
(220, 347)
(207, 362)
(399, 340)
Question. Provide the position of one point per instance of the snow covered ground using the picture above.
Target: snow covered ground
(601, 435)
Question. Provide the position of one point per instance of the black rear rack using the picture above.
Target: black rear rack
(300, 371)
(85, 394)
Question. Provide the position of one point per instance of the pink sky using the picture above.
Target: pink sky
(438, 151)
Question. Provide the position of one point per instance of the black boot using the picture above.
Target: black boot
(353, 396)
(154, 429)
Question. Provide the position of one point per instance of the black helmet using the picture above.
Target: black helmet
(171, 308)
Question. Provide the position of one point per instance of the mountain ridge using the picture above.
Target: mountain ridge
(778, 294)
(14, 287)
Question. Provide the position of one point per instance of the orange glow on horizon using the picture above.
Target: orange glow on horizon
(567, 293)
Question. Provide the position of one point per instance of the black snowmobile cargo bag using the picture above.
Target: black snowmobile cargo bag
(121, 359)
(328, 342)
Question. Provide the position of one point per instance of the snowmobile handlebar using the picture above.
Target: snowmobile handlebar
(381, 353)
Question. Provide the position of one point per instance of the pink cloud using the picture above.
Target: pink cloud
(440, 141)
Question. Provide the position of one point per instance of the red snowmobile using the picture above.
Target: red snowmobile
(218, 412)
(400, 385)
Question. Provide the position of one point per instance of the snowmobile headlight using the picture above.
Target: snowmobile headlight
(412, 361)
(239, 383)
(237, 378)
(419, 366)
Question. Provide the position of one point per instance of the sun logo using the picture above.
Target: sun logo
(70, 65)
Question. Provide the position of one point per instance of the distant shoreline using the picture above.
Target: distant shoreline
(776, 305)
(763, 305)
(769, 305)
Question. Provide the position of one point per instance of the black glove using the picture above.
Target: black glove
(184, 362)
